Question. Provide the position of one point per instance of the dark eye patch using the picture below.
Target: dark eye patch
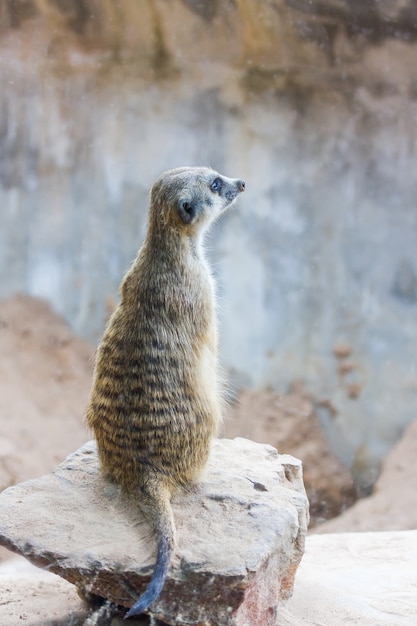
(216, 185)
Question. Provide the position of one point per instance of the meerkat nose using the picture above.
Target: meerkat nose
(241, 185)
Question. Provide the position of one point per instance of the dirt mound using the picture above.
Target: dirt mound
(393, 503)
(289, 424)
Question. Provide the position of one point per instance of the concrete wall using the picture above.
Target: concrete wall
(313, 103)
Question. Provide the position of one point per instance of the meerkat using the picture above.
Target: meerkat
(156, 400)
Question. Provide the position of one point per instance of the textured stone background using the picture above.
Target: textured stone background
(314, 103)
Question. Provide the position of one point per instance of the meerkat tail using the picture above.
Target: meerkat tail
(156, 584)
(162, 518)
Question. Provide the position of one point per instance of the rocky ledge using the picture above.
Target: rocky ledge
(240, 534)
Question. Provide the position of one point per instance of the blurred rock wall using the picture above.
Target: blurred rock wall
(314, 103)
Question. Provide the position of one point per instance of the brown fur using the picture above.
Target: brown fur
(156, 401)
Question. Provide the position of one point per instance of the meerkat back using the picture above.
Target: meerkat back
(155, 402)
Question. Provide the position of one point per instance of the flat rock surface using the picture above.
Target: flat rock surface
(367, 579)
(240, 534)
(33, 597)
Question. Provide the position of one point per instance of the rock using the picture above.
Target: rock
(240, 535)
(393, 503)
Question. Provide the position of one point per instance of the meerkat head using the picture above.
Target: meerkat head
(190, 198)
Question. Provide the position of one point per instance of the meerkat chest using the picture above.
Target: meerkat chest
(207, 297)
(207, 348)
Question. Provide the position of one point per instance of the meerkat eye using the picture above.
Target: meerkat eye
(216, 185)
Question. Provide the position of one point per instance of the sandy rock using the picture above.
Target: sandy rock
(367, 579)
(393, 503)
(240, 535)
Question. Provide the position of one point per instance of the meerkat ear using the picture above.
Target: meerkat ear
(186, 211)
